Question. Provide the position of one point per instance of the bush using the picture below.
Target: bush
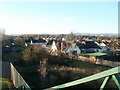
(36, 52)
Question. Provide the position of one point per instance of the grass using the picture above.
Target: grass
(6, 83)
(86, 65)
(103, 56)
(93, 54)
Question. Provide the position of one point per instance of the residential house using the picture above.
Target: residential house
(117, 51)
(104, 47)
(50, 42)
(73, 49)
(33, 42)
(54, 47)
(89, 47)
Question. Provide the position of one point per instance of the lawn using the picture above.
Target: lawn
(6, 83)
(93, 54)
(104, 56)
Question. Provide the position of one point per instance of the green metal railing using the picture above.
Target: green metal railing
(108, 74)
(23, 87)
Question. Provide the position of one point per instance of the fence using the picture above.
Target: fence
(9, 71)
(108, 74)
(5, 70)
(100, 61)
(17, 78)
(107, 63)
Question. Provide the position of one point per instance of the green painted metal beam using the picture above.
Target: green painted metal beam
(89, 78)
(116, 78)
(105, 82)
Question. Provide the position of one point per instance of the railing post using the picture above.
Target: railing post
(105, 82)
(116, 78)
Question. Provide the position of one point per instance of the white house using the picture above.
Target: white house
(54, 47)
(73, 49)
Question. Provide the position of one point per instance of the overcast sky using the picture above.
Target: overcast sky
(59, 17)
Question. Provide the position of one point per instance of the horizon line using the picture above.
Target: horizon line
(60, 33)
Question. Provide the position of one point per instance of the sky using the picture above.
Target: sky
(58, 17)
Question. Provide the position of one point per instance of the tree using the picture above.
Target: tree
(43, 67)
(71, 36)
(36, 52)
(5, 40)
(19, 41)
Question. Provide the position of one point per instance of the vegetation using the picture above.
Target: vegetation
(5, 83)
(71, 36)
(93, 54)
(111, 58)
(58, 70)
(41, 70)
(103, 56)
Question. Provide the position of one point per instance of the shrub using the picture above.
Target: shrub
(35, 52)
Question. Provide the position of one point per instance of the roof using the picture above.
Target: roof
(88, 45)
(35, 41)
(51, 41)
(92, 44)
(102, 45)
